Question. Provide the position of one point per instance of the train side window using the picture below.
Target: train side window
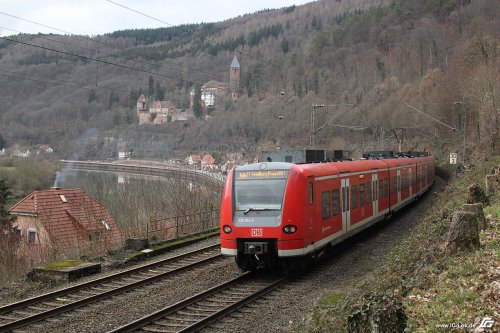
(386, 187)
(311, 193)
(354, 196)
(335, 202)
(361, 194)
(368, 193)
(347, 198)
(374, 196)
(381, 189)
(343, 200)
(325, 205)
(393, 184)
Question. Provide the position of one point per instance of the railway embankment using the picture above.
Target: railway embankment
(422, 285)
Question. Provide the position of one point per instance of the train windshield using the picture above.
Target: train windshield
(259, 190)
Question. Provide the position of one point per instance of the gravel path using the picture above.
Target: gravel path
(278, 312)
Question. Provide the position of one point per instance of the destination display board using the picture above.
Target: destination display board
(261, 174)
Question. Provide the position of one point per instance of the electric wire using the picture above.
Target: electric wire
(112, 46)
(66, 83)
(90, 58)
(196, 34)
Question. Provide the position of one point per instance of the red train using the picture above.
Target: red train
(281, 214)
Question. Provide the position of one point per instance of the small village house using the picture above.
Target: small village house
(59, 223)
(123, 153)
(193, 159)
(207, 162)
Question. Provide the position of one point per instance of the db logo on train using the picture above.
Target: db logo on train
(256, 232)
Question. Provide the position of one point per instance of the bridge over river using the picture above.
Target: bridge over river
(211, 180)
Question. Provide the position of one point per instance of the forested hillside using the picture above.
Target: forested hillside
(365, 58)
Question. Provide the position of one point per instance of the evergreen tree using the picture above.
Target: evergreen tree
(197, 101)
(151, 91)
(160, 91)
(5, 218)
(113, 98)
(2, 142)
(284, 46)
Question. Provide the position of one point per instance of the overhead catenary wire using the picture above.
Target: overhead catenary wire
(89, 58)
(98, 59)
(94, 40)
(66, 83)
(95, 59)
(193, 33)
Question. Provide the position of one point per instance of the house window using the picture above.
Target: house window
(31, 236)
(63, 198)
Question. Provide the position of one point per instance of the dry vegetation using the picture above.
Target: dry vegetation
(376, 55)
(434, 288)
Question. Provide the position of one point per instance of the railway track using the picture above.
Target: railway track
(36, 309)
(204, 309)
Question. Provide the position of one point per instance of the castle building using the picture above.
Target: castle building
(212, 89)
(159, 112)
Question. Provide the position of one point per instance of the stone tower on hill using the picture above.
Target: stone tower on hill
(234, 78)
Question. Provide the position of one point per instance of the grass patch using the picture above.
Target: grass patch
(330, 300)
(435, 289)
(62, 264)
(160, 249)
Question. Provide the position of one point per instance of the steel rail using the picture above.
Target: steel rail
(102, 295)
(150, 319)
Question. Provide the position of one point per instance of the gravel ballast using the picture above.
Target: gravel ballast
(279, 311)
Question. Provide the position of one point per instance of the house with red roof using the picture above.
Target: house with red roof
(64, 222)
(207, 162)
(193, 159)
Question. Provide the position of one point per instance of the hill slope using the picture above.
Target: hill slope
(79, 94)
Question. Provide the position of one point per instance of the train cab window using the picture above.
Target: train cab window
(354, 196)
(325, 205)
(311, 193)
(368, 193)
(335, 202)
(361, 194)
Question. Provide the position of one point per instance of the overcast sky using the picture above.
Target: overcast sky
(92, 17)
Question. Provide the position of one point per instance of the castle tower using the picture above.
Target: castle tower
(234, 78)
(142, 110)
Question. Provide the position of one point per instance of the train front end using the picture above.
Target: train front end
(252, 214)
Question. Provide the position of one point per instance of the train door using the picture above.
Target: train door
(375, 194)
(398, 182)
(346, 210)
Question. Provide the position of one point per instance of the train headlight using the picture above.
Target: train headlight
(289, 229)
(227, 229)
